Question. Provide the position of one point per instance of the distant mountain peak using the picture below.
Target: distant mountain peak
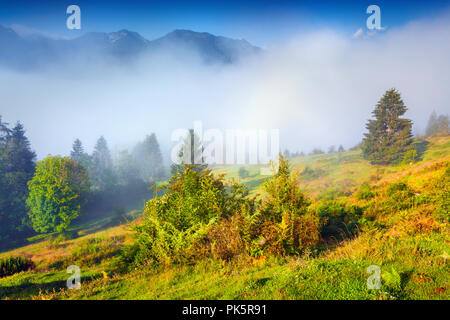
(25, 51)
(185, 32)
(122, 34)
(211, 47)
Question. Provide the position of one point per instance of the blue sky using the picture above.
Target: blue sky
(313, 68)
(262, 22)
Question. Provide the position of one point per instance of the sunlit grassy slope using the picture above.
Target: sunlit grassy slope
(410, 246)
(331, 175)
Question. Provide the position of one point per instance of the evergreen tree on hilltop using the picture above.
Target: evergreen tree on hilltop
(389, 137)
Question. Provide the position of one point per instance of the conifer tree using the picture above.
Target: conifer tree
(389, 136)
(126, 168)
(80, 156)
(101, 173)
(77, 151)
(437, 125)
(101, 154)
(149, 159)
(17, 166)
(432, 125)
(4, 132)
(190, 154)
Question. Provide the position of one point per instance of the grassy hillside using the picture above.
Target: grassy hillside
(403, 229)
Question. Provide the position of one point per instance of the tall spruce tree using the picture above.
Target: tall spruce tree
(4, 223)
(80, 156)
(389, 137)
(77, 151)
(17, 166)
(4, 132)
(190, 154)
(432, 125)
(437, 125)
(102, 173)
(149, 159)
(126, 168)
(102, 155)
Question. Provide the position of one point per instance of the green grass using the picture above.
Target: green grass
(412, 258)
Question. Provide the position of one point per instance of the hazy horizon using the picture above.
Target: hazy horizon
(318, 87)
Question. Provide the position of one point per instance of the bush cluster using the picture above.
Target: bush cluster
(340, 220)
(365, 192)
(200, 215)
(400, 195)
(13, 265)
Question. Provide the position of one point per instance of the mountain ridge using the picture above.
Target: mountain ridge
(38, 51)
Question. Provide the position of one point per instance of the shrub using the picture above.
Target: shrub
(226, 238)
(317, 151)
(201, 216)
(243, 173)
(310, 173)
(13, 265)
(401, 196)
(288, 227)
(364, 192)
(339, 219)
(394, 283)
(176, 226)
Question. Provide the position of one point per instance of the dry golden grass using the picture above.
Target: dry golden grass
(46, 252)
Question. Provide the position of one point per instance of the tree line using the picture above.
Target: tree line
(47, 195)
(144, 163)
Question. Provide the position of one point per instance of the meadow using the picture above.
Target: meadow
(402, 228)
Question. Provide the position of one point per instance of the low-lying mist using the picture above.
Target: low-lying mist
(319, 89)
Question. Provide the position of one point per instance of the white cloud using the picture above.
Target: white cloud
(318, 89)
(358, 34)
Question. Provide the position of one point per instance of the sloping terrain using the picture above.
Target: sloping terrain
(402, 229)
